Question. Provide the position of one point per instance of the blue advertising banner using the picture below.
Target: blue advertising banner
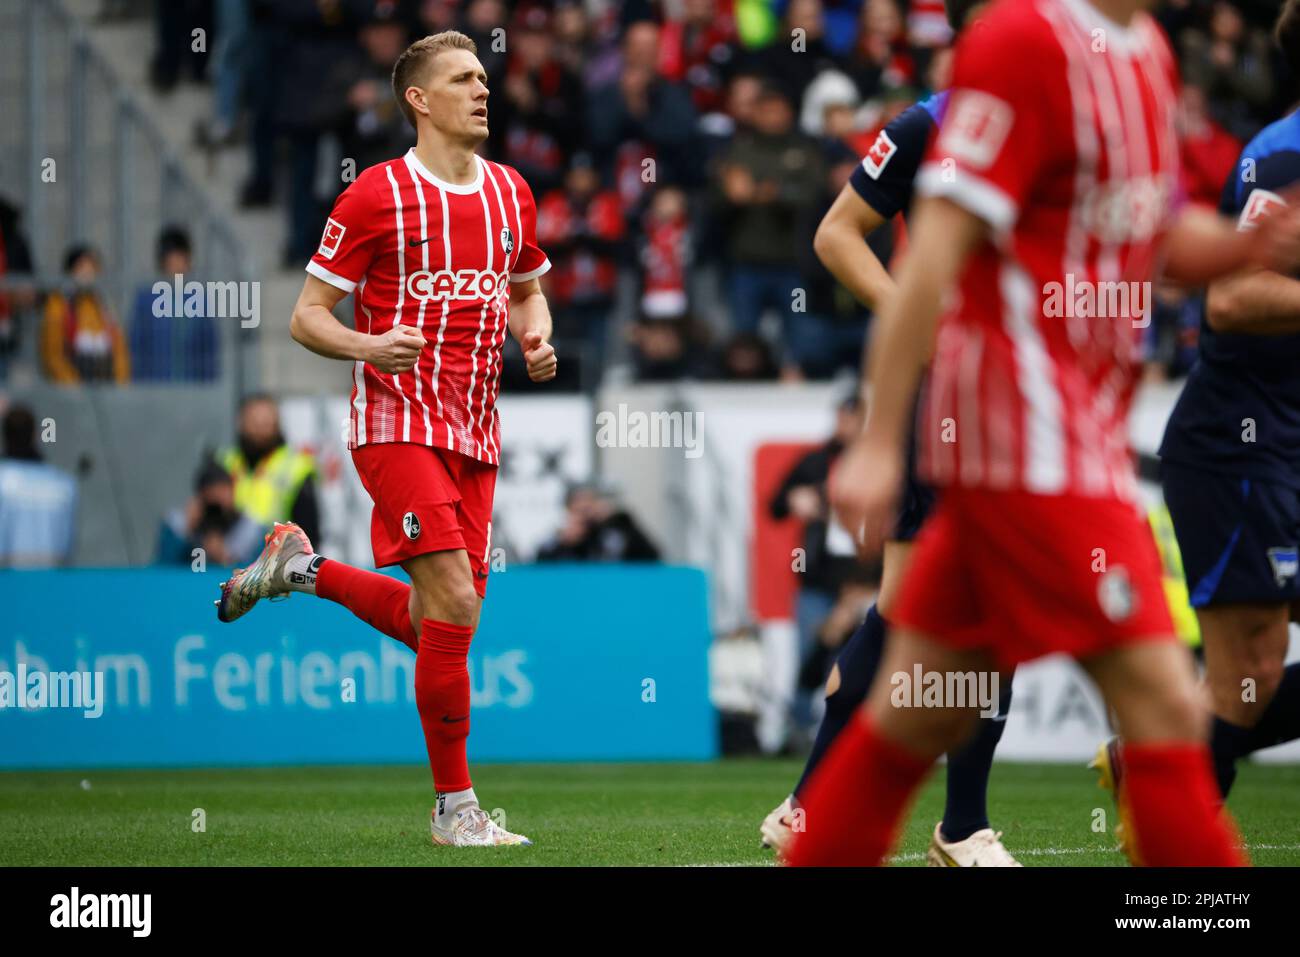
(130, 668)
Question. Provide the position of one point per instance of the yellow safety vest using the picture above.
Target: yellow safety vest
(266, 494)
(1180, 608)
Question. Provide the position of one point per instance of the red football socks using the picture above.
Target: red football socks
(1173, 804)
(855, 801)
(381, 602)
(442, 697)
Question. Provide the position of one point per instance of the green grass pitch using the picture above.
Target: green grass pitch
(590, 814)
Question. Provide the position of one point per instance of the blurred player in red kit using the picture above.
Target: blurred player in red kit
(439, 251)
(1050, 206)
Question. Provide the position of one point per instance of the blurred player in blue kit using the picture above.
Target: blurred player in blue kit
(880, 189)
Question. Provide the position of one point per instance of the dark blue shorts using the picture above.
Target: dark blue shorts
(1238, 537)
(915, 507)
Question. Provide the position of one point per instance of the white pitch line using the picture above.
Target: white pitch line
(1027, 852)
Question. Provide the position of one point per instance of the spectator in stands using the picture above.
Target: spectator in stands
(80, 340)
(882, 59)
(209, 522)
(1208, 151)
(666, 252)
(15, 261)
(597, 529)
(38, 502)
(581, 227)
(639, 117)
(1232, 63)
(536, 106)
(666, 350)
(830, 562)
(375, 130)
(697, 50)
(272, 482)
(574, 46)
(829, 107)
(313, 39)
(483, 24)
(231, 72)
(746, 357)
(264, 66)
(798, 52)
(172, 340)
(175, 53)
(769, 180)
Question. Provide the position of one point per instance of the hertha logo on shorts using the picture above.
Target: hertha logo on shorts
(411, 526)
(507, 240)
(1286, 564)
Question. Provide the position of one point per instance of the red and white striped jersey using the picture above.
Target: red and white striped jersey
(438, 256)
(1060, 134)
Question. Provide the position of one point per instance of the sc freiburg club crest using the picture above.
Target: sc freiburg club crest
(411, 526)
(507, 240)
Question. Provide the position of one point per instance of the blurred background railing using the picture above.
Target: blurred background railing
(69, 121)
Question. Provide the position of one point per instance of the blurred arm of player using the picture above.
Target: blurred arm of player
(1252, 294)
(314, 326)
(840, 243)
(866, 482)
(530, 324)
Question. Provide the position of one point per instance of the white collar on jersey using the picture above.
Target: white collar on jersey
(462, 188)
(1123, 39)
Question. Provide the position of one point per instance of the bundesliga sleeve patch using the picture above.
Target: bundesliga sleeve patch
(878, 157)
(329, 242)
(1260, 204)
(975, 128)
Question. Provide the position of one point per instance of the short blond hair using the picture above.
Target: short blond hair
(416, 59)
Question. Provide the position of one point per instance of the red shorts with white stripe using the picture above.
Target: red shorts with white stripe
(1025, 575)
(428, 500)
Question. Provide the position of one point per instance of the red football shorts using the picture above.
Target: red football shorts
(428, 500)
(1026, 575)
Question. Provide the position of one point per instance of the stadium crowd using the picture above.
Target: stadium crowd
(690, 146)
(682, 153)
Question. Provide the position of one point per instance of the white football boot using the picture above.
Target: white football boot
(982, 849)
(777, 828)
(471, 826)
(265, 578)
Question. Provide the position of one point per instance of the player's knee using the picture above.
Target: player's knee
(1176, 711)
(457, 601)
(1252, 689)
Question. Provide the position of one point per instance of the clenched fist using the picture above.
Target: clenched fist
(396, 350)
(540, 357)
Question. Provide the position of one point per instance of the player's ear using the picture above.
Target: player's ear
(417, 99)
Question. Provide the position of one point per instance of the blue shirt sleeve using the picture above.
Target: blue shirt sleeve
(885, 177)
(1272, 172)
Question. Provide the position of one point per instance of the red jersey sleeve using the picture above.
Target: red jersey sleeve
(351, 236)
(1007, 110)
(531, 261)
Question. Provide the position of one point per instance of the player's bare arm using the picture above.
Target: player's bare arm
(1204, 246)
(1262, 303)
(839, 244)
(865, 485)
(530, 324)
(314, 325)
